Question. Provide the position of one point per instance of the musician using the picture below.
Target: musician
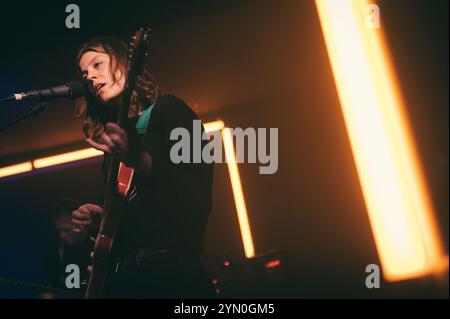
(158, 247)
(73, 246)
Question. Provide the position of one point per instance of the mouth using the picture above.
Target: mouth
(98, 87)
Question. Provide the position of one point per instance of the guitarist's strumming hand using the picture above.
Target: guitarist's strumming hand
(125, 146)
(87, 215)
(115, 142)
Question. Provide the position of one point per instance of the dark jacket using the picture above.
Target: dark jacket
(168, 210)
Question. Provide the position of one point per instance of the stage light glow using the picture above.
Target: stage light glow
(272, 264)
(236, 186)
(15, 169)
(66, 157)
(213, 126)
(393, 184)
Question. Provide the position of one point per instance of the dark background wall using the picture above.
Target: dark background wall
(252, 64)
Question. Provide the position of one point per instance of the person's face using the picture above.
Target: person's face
(95, 69)
(65, 228)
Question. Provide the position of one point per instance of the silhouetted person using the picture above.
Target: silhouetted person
(74, 247)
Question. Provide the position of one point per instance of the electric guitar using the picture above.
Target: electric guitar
(119, 176)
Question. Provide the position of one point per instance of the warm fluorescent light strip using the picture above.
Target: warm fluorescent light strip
(241, 208)
(76, 155)
(213, 126)
(15, 169)
(397, 200)
(66, 157)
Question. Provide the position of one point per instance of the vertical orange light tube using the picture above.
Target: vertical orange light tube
(238, 194)
(241, 208)
(393, 184)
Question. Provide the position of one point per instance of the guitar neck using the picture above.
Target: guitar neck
(117, 184)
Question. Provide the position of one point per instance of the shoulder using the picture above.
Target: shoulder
(172, 107)
(170, 102)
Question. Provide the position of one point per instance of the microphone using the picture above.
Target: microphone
(70, 90)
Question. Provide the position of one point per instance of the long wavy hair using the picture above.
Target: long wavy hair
(94, 114)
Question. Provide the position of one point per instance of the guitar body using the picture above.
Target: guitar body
(119, 179)
(104, 244)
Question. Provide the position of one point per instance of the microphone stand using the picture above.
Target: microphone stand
(33, 111)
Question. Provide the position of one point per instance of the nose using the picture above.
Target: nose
(91, 75)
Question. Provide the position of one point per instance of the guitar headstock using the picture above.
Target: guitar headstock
(138, 51)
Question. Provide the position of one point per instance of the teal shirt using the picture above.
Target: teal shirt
(142, 123)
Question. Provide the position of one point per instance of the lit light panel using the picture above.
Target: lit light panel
(393, 184)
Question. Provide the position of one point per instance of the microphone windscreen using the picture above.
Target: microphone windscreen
(76, 89)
